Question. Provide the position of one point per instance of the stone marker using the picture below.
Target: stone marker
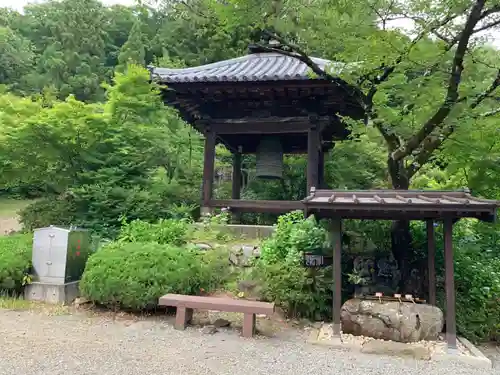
(219, 323)
(209, 330)
(241, 255)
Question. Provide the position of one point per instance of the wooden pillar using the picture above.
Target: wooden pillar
(336, 241)
(236, 183)
(431, 261)
(312, 158)
(208, 170)
(451, 326)
(321, 170)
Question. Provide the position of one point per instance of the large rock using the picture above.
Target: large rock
(242, 255)
(403, 322)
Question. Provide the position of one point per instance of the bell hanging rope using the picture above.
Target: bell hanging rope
(269, 158)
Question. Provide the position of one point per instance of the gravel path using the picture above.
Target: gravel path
(34, 343)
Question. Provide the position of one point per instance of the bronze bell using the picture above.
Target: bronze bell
(269, 158)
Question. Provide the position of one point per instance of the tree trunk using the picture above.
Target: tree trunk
(401, 239)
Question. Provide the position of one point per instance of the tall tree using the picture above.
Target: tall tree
(133, 51)
(16, 57)
(416, 90)
(70, 38)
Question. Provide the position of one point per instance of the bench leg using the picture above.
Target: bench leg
(248, 325)
(182, 317)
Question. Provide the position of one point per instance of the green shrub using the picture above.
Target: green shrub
(48, 211)
(169, 231)
(15, 261)
(300, 291)
(134, 275)
(293, 235)
(477, 284)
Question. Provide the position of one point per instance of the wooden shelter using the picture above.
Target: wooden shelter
(431, 206)
(242, 101)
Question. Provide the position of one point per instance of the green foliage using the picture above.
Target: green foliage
(102, 161)
(169, 231)
(16, 57)
(15, 261)
(299, 291)
(477, 283)
(47, 211)
(293, 235)
(134, 275)
(133, 49)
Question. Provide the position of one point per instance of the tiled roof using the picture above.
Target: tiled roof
(403, 202)
(254, 67)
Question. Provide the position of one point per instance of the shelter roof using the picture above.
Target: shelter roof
(255, 67)
(400, 204)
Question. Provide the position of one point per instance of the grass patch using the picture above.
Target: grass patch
(20, 304)
(9, 207)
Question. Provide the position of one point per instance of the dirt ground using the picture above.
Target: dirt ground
(9, 224)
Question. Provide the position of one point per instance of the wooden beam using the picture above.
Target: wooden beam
(431, 261)
(312, 158)
(451, 325)
(208, 169)
(267, 206)
(260, 127)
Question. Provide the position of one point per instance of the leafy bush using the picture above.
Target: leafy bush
(477, 276)
(293, 235)
(477, 283)
(169, 231)
(15, 261)
(134, 275)
(48, 211)
(299, 291)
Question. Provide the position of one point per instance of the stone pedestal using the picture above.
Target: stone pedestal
(52, 293)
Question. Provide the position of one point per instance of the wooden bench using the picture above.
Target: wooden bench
(186, 304)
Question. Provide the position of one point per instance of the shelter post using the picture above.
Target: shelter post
(431, 261)
(312, 157)
(451, 327)
(208, 171)
(321, 169)
(336, 241)
(236, 182)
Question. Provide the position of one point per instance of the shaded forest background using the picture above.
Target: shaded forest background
(88, 134)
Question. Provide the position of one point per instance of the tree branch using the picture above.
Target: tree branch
(452, 90)
(490, 113)
(432, 143)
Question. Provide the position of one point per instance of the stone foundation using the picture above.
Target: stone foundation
(466, 353)
(52, 293)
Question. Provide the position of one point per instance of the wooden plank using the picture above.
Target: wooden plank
(216, 303)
